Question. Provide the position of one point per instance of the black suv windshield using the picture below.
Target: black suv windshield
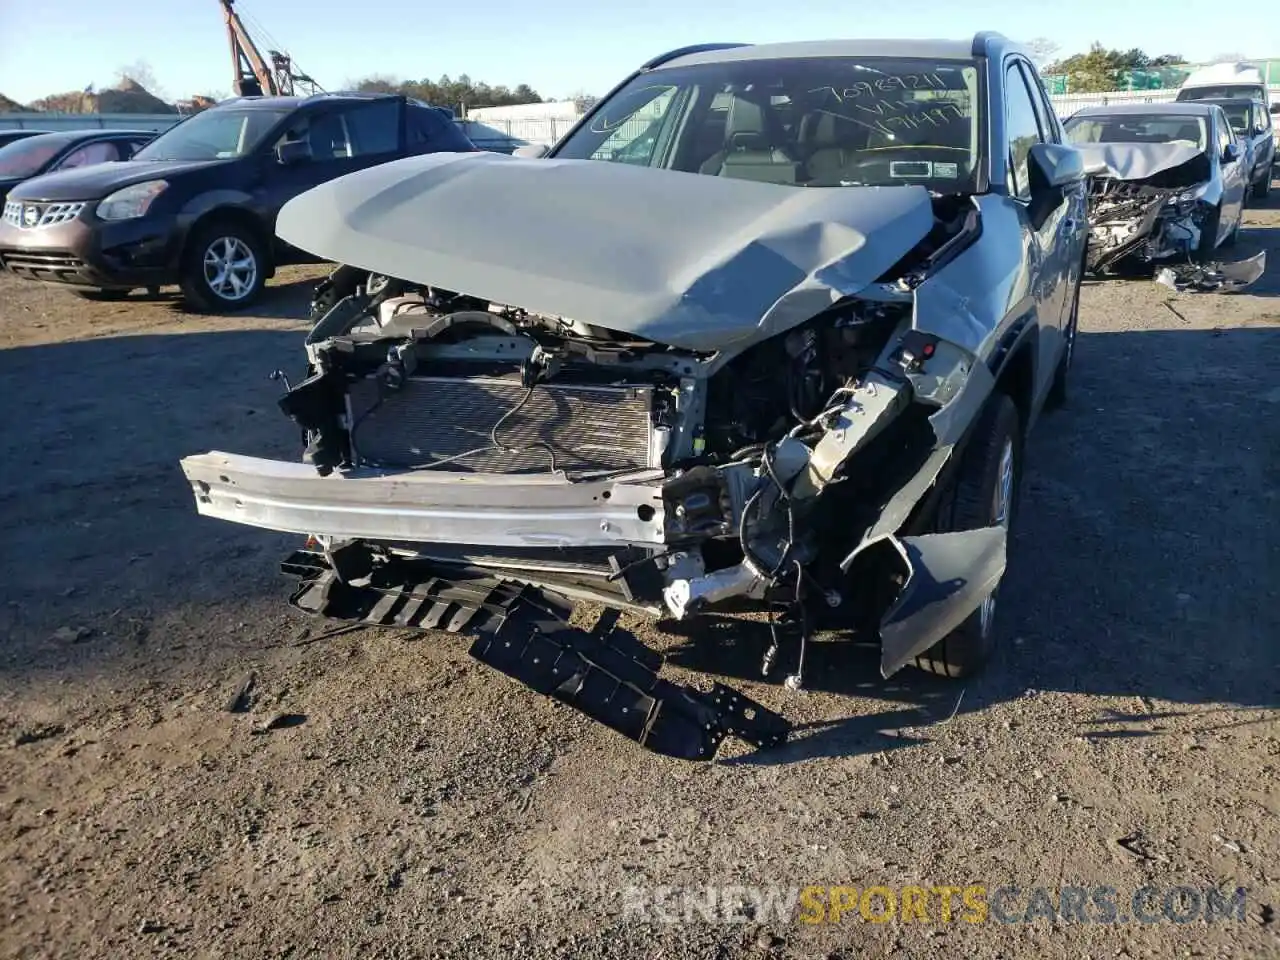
(817, 122)
(1136, 128)
(217, 134)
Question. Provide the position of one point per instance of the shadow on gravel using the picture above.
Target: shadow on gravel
(95, 511)
(1146, 564)
(280, 301)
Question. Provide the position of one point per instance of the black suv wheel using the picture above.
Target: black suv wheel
(985, 494)
(224, 268)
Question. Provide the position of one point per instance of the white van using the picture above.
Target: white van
(1235, 80)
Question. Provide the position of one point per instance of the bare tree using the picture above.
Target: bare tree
(583, 101)
(1042, 51)
(140, 72)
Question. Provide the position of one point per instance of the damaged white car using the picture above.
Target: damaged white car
(1167, 182)
(765, 332)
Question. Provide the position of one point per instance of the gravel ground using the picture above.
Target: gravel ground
(407, 801)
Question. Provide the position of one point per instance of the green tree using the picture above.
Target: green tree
(1100, 69)
(448, 92)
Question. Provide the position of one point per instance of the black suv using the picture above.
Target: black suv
(197, 206)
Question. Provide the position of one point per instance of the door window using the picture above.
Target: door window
(1224, 132)
(358, 131)
(373, 128)
(1022, 130)
(1045, 116)
(632, 124)
(90, 153)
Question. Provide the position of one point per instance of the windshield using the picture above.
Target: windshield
(217, 134)
(1230, 91)
(26, 158)
(1136, 128)
(1238, 116)
(817, 122)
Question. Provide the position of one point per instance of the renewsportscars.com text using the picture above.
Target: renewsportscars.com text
(971, 903)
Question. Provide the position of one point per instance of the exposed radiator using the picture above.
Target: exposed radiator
(589, 429)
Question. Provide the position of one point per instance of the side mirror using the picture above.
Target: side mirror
(1231, 153)
(1275, 108)
(531, 151)
(293, 151)
(1055, 165)
(1053, 168)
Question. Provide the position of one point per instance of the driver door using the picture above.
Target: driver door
(1048, 248)
(342, 139)
(1235, 175)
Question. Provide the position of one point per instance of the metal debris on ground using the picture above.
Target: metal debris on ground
(240, 697)
(1215, 277)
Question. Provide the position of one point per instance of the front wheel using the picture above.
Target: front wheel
(985, 494)
(225, 268)
(1209, 234)
(1262, 188)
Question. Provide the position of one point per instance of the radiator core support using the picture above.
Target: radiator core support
(499, 425)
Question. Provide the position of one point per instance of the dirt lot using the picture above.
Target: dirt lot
(414, 803)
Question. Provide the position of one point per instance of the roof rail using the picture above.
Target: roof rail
(686, 51)
(982, 38)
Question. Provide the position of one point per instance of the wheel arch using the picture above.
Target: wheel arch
(1014, 365)
(228, 209)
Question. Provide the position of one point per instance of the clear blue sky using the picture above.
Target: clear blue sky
(557, 46)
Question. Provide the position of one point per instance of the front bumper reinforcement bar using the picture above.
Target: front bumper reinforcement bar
(524, 632)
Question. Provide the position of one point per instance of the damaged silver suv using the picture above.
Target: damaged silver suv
(764, 333)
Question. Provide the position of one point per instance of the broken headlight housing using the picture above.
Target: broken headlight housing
(1185, 202)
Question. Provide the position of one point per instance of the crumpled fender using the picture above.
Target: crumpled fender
(949, 575)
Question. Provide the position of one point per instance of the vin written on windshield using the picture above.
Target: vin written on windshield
(813, 122)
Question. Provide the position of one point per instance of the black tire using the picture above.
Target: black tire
(965, 650)
(199, 288)
(1262, 189)
(98, 293)
(1209, 234)
(1057, 396)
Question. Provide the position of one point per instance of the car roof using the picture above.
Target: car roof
(275, 103)
(68, 137)
(1183, 108)
(987, 43)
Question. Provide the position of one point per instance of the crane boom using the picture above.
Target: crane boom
(255, 75)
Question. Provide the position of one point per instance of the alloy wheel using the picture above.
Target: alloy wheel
(230, 268)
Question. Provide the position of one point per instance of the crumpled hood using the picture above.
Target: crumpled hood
(1134, 161)
(697, 262)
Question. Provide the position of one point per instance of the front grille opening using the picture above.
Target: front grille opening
(449, 424)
